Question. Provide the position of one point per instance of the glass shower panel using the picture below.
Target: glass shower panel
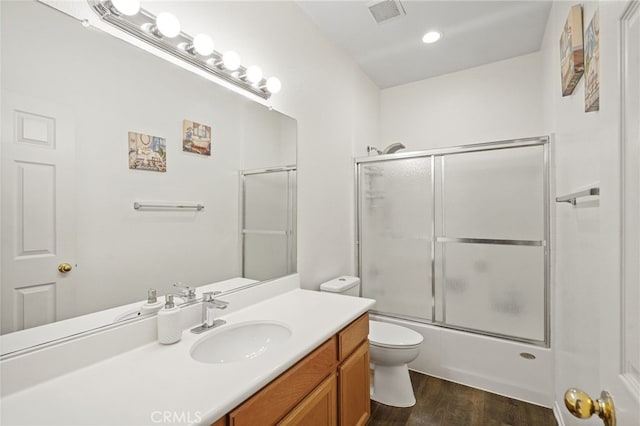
(396, 213)
(265, 256)
(495, 288)
(266, 198)
(269, 224)
(496, 194)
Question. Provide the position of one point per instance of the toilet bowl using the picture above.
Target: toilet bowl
(391, 346)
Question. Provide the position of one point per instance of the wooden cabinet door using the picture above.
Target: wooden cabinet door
(320, 408)
(279, 397)
(221, 422)
(353, 388)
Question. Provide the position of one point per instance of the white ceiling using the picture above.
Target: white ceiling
(392, 53)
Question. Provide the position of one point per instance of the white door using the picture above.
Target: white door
(620, 328)
(616, 320)
(38, 212)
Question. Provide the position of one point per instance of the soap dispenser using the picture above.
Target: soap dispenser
(152, 305)
(169, 324)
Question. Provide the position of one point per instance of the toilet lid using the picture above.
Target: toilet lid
(391, 335)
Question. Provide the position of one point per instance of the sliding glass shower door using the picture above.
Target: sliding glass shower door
(459, 237)
(491, 241)
(396, 235)
(268, 223)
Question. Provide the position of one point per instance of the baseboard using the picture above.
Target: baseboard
(557, 413)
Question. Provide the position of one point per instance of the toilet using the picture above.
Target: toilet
(391, 346)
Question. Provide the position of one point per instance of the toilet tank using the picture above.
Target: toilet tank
(345, 284)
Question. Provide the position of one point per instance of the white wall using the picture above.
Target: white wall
(587, 238)
(492, 102)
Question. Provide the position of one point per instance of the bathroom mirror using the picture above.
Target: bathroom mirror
(123, 172)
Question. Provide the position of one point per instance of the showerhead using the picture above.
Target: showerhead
(393, 148)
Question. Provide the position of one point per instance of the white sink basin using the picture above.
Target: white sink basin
(239, 342)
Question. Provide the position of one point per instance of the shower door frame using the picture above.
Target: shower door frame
(542, 141)
(291, 230)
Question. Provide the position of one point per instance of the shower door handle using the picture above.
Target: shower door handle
(582, 406)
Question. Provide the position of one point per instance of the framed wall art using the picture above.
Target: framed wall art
(196, 137)
(592, 65)
(572, 51)
(147, 152)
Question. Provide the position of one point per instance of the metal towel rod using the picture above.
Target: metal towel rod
(138, 206)
(572, 198)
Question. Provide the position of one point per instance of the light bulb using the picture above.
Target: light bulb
(431, 37)
(203, 44)
(231, 60)
(167, 24)
(254, 74)
(273, 85)
(126, 7)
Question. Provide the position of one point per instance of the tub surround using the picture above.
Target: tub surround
(132, 387)
(482, 362)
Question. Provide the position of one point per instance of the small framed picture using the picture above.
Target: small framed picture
(147, 152)
(592, 65)
(572, 51)
(196, 137)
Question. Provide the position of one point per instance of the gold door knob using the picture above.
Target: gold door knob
(64, 268)
(582, 406)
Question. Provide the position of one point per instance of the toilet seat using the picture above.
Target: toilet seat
(393, 336)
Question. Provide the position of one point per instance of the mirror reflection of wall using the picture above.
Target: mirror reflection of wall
(70, 98)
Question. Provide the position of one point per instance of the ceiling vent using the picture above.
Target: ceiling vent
(386, 10)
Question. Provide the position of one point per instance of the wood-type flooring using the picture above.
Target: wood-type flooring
(443, 403)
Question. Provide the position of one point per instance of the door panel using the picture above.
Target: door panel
(38, 212)
(35, 195)
(479, 185)
(495, 288)
(620, 359)
(396, 216)
(268, 223)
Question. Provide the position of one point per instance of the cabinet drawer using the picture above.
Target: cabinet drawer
(350, 337)
(279, 397)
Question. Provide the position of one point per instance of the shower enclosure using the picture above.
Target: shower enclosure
(268, 224)
(459, 237)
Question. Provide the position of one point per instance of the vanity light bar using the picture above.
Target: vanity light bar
(142, 25)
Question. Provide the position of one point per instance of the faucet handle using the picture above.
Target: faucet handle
(188, 291)
(208, 297)
(152, 296)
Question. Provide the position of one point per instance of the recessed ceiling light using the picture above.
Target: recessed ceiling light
(431, 37)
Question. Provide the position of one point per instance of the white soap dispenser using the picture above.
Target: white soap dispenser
(152, 304)
(169, 324)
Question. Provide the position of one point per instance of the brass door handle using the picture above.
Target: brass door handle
(64, 267)
(582, 406)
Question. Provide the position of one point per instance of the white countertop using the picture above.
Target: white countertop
(142, 386)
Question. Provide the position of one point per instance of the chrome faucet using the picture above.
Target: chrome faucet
(209, 304)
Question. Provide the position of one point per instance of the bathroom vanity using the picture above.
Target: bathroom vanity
(328, 387)
(320, 371)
